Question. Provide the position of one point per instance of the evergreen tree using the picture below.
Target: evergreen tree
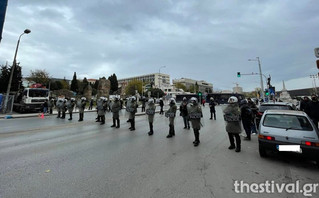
(74, 83)
(114, 83)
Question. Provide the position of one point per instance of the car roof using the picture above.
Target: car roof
(286, 112)
(276, 103)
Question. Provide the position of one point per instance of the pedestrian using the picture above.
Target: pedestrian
(246, 116)
(116, 108)
(161, 103)
(45, 106)
(195, 114)
(70, 106)
(233, 125)
(150, 112)
(203, 102)
(254, 110)
(314, 110)
(212, 105)
(132, 110)
(305, 105)
(91, 104)
(143, 103)
(171, 113)
(51, 105)
(81, 105)
(184, 113)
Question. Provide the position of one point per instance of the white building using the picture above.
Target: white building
(159, 80)
(203, 86)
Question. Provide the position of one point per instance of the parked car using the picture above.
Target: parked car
(271, 105)
(286, 127)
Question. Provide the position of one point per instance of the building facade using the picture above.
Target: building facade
(159, 80)
(190, 84)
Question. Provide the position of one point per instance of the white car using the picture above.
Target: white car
(282, 128)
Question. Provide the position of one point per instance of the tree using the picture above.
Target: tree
(132, 86)
(156, 92)
(65, 84)
(16, 78)
(74, 83)
(180, 86)
(114, 83)
(39, 76)
(191, 89)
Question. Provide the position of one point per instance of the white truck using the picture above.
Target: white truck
(31, 99)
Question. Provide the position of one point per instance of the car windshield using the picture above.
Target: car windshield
(38, 93)
(263, 108)
(287, 121)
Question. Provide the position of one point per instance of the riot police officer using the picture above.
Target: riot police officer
(184, 113)
(59, 105)
(81, 105)
(63, 108)
(212, 105)
(70, 105)
(115, 108)
(150, 111)
(100, 109)
(171, 113)
(195, 114)
(132, 111)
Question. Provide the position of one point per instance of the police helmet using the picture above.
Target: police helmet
(212, 99)
(151, 100)
(172, 100)
(83, 98)
(193, 100)
(72, 99)
(232, 99)
(243, 101)
(184, 98)
(133, 98)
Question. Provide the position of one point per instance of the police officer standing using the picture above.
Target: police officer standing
(184, 113)
(59, 105)
(51, 105)
(115, 108)
(63, 108)
(132, 111)
(70, 105)
(143, 103)
(233, 125)
(81, 105)
(212, 105)
(195, 113)
(171, 113)
(150, 112)
(161, 103)
(100, 109)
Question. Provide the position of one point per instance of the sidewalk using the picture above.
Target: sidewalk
(55, 112)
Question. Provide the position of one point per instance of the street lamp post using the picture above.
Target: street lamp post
(26, 31)
(159, 76)
(261, 78)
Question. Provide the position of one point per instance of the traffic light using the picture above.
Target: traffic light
(238, 74)
(266, 92)
(199, 94)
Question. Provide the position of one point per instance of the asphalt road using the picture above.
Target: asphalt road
(52, 157)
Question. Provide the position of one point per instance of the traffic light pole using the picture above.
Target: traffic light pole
(261, 80)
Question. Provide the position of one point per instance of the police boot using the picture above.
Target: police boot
(98, 119)
(118, 122)
(70, 116)
(133, 125)
(173, 130)
(103, 120)
(151, 129)
(196, 143)
(63, 115)
(59, 114)
(113, 123)
(81, 117)
(129, 120)
(170, 132)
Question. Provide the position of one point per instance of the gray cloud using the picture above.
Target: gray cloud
(204, 40)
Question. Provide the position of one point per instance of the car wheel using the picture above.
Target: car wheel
(262, 151)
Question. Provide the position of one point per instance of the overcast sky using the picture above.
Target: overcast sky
(200, 39)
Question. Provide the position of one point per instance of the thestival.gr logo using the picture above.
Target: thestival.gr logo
(307, 189)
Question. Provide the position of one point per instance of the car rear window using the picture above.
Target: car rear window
(263, 108)
(287, 122)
